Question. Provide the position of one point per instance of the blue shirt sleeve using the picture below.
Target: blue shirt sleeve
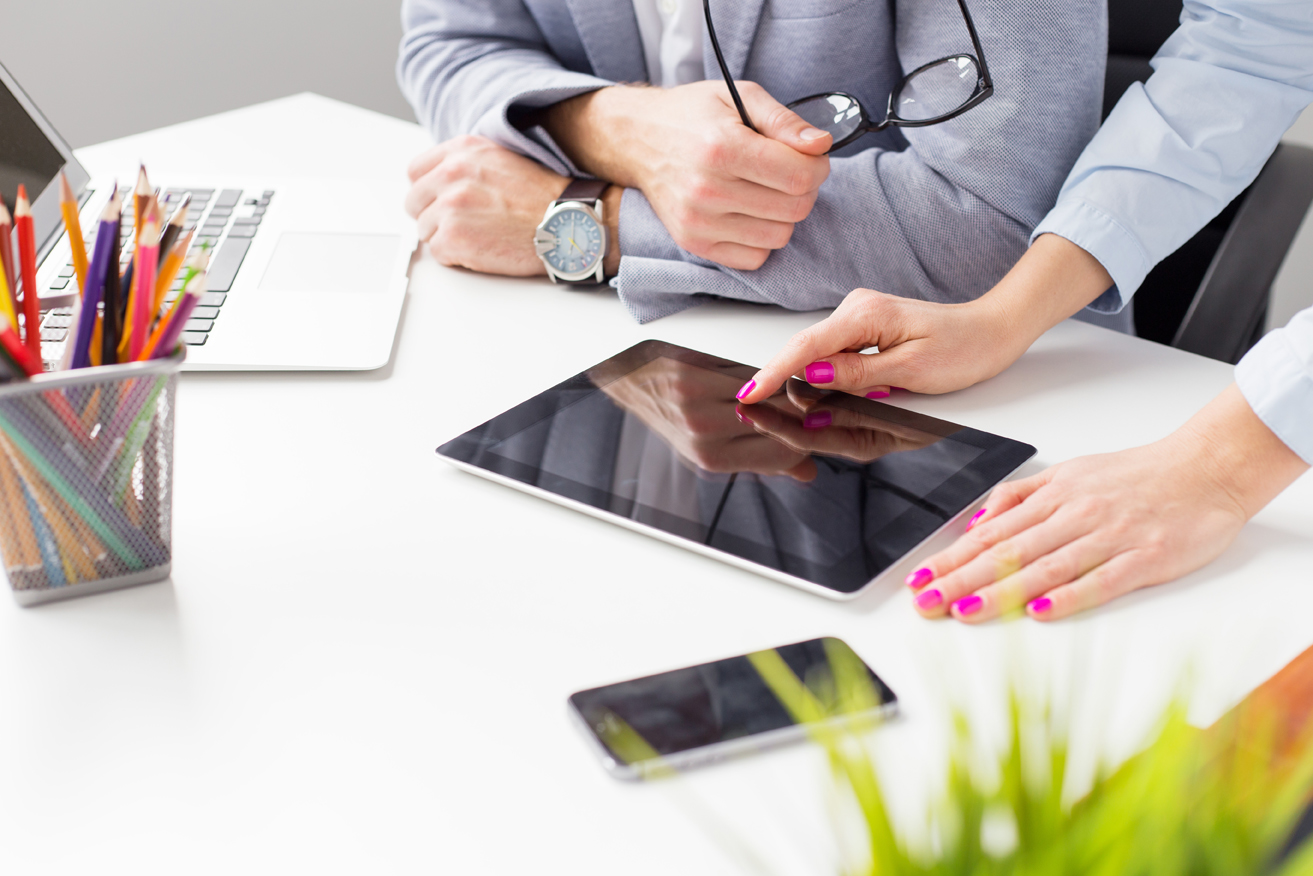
(1276, 378)
(1176, 150)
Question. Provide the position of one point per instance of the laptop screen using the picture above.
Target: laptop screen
(26, 155)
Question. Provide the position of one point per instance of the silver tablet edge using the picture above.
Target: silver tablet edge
(704, 550)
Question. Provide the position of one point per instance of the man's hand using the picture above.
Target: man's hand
(928, 347)
(723, 192)
(477, 206)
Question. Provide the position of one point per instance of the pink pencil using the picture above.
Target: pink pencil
(143, 288)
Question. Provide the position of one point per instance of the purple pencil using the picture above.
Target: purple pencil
(106, 235)
(169, 337)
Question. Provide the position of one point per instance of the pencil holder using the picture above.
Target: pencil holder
(86, 479)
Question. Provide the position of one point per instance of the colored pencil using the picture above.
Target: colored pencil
(27, 265)
(141, 195)
(169, 267)
(7, 256)
(142, 294)
(68, 206)
(94, 289)
(6, 299)
(68, 553)
(18, 352)
(112, 317)
(165, 339)
(74, 485)
(74, 554)
(26, 558)
(173, 229)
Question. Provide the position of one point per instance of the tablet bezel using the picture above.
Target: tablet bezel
(1001, 456)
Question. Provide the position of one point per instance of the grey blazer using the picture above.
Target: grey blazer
(938, 213)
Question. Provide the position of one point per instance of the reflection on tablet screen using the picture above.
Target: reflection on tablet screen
(831, 490)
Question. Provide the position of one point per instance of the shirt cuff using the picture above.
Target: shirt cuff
(1102, 236)
(1278, 386)
(508, 127)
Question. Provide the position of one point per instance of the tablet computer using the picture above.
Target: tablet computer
(819, 489)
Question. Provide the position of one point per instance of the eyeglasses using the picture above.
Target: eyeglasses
(930, 94)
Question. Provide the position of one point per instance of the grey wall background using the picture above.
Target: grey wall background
(77, 58)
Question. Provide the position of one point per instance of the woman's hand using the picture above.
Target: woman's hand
(924, 347)
(928, 347)
(1087, 531)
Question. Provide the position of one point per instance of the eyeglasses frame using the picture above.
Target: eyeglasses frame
(984, 86)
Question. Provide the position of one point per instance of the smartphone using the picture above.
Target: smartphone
(701, 714)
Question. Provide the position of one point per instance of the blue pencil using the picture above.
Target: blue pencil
(106, 237)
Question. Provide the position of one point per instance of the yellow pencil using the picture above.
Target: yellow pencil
(29, 558)
(71, 551)
(7, 300)
(68, 205)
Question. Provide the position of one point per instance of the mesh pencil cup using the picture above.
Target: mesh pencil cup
(86, 479)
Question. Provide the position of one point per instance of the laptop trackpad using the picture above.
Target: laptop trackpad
(315, 262)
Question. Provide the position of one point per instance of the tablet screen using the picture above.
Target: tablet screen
(821, 486)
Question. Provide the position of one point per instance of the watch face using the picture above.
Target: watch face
(578, 242)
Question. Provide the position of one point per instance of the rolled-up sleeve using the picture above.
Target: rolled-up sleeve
(1276, 378)
(1176, 150)
(466, 66)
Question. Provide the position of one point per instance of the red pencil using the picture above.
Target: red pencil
(21, 355)
(27, 263)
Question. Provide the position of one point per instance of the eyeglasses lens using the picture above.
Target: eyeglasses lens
(837, 114)
(938, 90)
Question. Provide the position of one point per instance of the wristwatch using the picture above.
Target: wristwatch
(571, 239)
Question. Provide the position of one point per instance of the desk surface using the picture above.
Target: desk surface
(362, 659)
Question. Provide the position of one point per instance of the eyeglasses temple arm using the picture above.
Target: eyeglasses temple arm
(729, 80)
(975, 42)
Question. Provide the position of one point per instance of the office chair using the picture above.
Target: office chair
(1210, 296)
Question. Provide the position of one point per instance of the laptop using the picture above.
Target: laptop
(306, 274)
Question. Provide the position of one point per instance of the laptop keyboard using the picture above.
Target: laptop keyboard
(227, 220)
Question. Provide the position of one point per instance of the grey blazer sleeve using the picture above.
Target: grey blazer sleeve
(467, 65)
(943, 217)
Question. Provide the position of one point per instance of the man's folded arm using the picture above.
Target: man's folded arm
(479, 67)
(942, 219)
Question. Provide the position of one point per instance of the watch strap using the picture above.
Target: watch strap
(583, 190)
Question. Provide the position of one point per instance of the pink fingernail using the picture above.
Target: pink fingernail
(928, 600)
(975, 517)
(968, 605)
(1041, 605)
(817, 420)
(919, 578)
(819, 372)
(747, 388)
(743, 418)
(877, 394)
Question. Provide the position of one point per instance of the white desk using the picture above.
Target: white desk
(362, 660)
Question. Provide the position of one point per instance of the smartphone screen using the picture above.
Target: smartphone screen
(707, 712)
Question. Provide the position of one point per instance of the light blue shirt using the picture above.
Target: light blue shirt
(1175, 151)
